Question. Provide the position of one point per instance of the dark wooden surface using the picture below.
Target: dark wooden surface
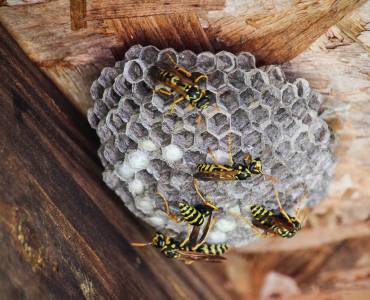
(63, 234)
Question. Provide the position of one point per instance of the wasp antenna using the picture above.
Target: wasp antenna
(140, 244)
(230, 148)
(212, 154)
(205, 201)
(282, 210)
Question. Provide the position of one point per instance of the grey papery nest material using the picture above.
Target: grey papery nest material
(144, 149)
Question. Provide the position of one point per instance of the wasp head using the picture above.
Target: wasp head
(296, 223)
(255, 167)
(159, 240)
(194, 93)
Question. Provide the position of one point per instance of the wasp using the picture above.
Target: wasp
(281, 223)
(191, 249)
(194, 215)
(233, 171)
(183, 84)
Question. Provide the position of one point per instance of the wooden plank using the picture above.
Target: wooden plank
(73, 59)
(105, 9)
(278, 32)
(21, 2)
(324, 270)
(63, 234)
(78, 14)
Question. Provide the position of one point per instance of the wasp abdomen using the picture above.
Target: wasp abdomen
(191, 215)
(204, 167)
(213, 249)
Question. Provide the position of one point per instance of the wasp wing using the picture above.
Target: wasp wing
(216, 175)
(198, 256)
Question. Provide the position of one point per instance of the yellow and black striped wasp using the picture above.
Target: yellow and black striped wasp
(191, 249)
(234, 171)
(281, 223)
(183, 84)
(194, 215)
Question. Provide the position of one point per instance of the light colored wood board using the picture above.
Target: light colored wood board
(342, 75)
(106, 9)
(333, 267)
(275, 32)
(310, 238)
(357, 26)
(71, 58)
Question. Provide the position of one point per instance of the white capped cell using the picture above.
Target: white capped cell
(136, 187)
(172, 153)
(148, 145)
(216, 237)
(145, 204)
(225, 224)
(138, 160)
(157, 221)
(124, 171)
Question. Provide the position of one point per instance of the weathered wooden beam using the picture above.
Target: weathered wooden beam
(106, 9)
(63, 234)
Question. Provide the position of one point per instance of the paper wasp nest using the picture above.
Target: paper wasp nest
(144, 149)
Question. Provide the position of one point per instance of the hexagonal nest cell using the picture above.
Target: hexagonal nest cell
(145, 150)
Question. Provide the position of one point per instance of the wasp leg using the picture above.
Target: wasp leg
(201, 79)
(205, 201)
(163, 91)
(247, 158)
(172, 216)
(298, 210)
(230, 149)
(188, 233)
(281, 209)
(210, 152)
(204, 238)
(255, 229)
(175, 102)
(179, 68)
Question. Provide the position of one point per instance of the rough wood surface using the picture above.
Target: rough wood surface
(329, 271)
(277, 32)
(105, 9)
(63, 234)
(273, 31)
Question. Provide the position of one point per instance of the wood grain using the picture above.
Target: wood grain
(105, 9)
(21, 2)
(278, 32)
(58, 222)
(274, 32)
(78, 14)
